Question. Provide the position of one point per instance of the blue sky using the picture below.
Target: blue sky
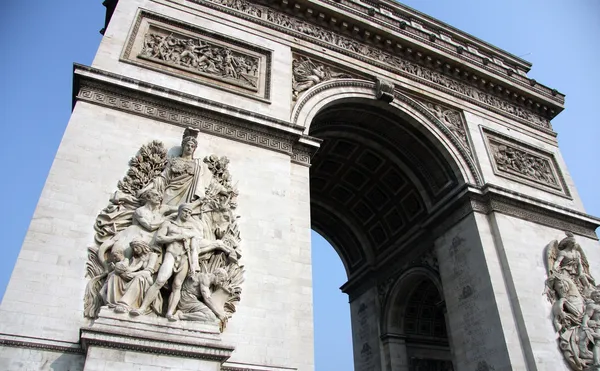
(41, 39)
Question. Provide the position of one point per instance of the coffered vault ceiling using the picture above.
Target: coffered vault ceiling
(373, 180)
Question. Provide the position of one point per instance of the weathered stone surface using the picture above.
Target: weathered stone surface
(437, 187)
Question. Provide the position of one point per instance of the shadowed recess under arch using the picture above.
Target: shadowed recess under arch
(381, 173)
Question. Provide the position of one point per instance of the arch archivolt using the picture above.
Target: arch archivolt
(339, 91)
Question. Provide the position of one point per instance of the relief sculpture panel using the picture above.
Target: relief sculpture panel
(525, 164)
(200, 55)
(167, 243)
(575, 300)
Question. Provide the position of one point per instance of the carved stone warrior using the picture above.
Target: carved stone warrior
(183, 240)
(196, 303)
(568, 287)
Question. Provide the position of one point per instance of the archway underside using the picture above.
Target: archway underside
(374, 180)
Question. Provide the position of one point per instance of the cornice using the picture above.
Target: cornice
(291, 141)
(424, 29)
(41, 346)
(465, 201)
(399, 58)
(122, 342)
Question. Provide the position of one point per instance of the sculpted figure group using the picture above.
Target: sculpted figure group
(201, 56)
(575, 302)
(168, 242)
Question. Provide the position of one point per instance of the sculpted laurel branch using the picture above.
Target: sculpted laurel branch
(149, 162)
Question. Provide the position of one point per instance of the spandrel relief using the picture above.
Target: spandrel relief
(167, 244)
(307, 73)
(575, 302)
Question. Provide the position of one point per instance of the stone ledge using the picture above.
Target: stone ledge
(156, 335)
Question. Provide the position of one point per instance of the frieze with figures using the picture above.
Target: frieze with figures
(201, 57)
(525, 164)
(412, 69)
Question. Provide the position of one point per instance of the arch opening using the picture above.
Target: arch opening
(375, 180)
(378, 177)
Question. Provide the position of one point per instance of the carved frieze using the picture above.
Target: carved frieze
(197, 54)
(575, 300)
(168, 243)
(525, 164)
(307, 72)
(464, 89)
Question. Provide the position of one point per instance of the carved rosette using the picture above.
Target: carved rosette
(575, 300)
(168, 243)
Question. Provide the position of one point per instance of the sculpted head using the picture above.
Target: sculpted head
(595, 296)
(153, 196)
(185, 211)
(117, 255)
(139, 247)
(189, 145)
(220, 276)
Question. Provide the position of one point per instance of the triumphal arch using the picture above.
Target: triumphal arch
(209, 136)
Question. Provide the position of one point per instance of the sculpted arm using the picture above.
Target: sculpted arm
(579, 265)
(558, 261)
(589, 312)
(206, 298)
(163, 238)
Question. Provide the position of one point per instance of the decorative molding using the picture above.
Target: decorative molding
(105, 340)
(439, 80)
(350, 83)
(384, 90)
(490, 199)
(176, 114)
(434, 37)
(186, 51)
(465, 152)
(41, 346)
(524, 163)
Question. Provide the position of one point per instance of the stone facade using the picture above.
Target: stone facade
(433, 171)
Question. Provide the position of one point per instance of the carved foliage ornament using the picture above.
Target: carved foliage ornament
(168, 242)
(575, 300)
(307, 73)
(384, 59)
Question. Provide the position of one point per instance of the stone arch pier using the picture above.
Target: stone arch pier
(208, 137)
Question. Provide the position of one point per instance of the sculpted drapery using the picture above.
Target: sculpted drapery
(183, 209)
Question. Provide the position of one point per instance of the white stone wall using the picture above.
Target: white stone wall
(105, 359)
(521, 248)
(364, 313)
(476, 122)
(21, 359)
(116, 37)
(273, 324)
(481, 327)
